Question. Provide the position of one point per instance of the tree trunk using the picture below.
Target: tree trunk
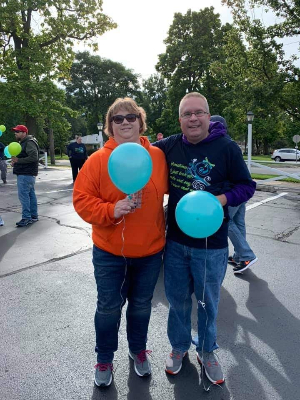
(31, 125)
(51, 143)
(266, 146)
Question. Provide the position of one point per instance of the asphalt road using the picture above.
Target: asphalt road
(48, 296)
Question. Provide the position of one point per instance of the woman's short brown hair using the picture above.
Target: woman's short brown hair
(129, 105)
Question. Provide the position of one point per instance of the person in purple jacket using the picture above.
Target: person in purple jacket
(202, 157)
(243, 256)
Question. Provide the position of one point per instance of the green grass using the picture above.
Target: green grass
(259, 158)
(58, 157)
(263, 177)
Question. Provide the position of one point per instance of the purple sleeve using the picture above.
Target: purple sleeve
(240, 193)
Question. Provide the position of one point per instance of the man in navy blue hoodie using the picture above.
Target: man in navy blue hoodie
(202, 157)
(77, 155)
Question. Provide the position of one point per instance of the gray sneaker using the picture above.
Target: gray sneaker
(174, 362)
(211, 367)
(103, 374)
(142, 364)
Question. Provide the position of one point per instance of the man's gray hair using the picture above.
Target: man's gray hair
(194, 94)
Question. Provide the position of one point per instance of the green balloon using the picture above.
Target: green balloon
(14, 148)
(2, 128)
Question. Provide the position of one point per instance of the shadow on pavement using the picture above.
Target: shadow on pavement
(138, 387)
(268, 342)
(107, 393)
(9, 239)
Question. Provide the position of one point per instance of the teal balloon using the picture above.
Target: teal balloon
(1, 133)
(130, 167)
(199, 214)
(6, 152)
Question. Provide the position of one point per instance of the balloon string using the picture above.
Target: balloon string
(125, 272)
(202, 302)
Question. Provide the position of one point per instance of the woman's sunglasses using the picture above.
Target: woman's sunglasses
(118, 119)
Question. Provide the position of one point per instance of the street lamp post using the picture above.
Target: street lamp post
(100, 127)
(250, 117)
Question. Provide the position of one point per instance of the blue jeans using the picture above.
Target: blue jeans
(27, 196)
(190, 270)
(118, 279)
(237, 233)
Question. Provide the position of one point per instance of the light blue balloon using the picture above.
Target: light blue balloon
(130, 167)
(1, 133)
(6, 152)
(199, 214)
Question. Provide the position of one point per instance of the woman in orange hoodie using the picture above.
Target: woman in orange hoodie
(128, 236)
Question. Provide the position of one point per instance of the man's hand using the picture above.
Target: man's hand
(123, 207)
(14, 160)
(222, 199)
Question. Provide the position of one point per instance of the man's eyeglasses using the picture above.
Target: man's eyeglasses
(118, 119)
(198, 114)
(18, 131)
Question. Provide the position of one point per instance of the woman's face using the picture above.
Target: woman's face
(126, 131)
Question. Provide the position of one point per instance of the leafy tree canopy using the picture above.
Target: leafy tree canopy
(287, 10)
(95, 83)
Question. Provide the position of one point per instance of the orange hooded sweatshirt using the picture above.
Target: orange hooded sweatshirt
(95, 196)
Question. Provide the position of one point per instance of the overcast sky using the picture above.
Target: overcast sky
(143, 26)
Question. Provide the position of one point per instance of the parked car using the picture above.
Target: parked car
(286, 155)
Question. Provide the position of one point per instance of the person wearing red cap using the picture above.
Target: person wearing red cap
(25, 166)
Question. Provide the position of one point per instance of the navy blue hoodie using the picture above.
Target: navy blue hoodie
(216, 165)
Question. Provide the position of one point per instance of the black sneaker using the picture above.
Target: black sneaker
(24, 222)
(243, 265)
(232, 261)
(103, 374)
(34, 219)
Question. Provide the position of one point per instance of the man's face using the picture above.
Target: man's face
(19, 135)
(194, 128)
(79, 140)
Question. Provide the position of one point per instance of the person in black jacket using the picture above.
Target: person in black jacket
(25, 166)
(77, 155)
(3, 166)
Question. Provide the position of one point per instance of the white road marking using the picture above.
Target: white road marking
(259, 203)
(55, 191)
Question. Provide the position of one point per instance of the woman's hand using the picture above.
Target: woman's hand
(124, 207)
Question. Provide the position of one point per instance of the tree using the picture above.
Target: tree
(194, 42)
(153, 100)
(288, 11)
(261, 77)
(37, 39)
(95, 83)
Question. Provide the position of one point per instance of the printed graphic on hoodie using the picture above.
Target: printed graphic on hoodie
(193, 177)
